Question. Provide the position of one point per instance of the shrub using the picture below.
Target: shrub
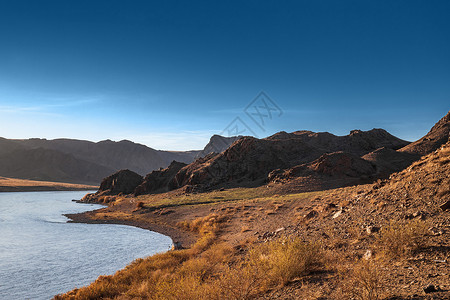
(285, 259)
(362, 281)
(400, 239)
(241, 282)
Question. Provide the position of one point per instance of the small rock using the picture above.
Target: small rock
(311, 214)
(430, 289)
(176, 246)
(279, 229)
(372, 229)
(367, 255)
(337, 214)
(446, 206)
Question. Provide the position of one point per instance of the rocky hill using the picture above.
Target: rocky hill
(51, 165)
(159, 181)
(425, 181)
(329, 171)
(248, 161)
(115, 155)
(217, 144)
(437, 136)
(80, 161)
(303, 160)
(313, 160)
(357, 142)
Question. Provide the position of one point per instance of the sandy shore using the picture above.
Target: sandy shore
(22, 185)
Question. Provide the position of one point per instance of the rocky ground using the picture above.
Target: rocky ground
(347, 222)
(383, 239)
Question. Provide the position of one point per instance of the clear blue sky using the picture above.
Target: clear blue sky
(170, 74)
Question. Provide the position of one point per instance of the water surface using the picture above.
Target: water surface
(42, 255)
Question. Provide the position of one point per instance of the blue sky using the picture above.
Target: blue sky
(169, 74)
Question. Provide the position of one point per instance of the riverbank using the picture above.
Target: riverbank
(23, 185)
(179, 237)
(219, 229)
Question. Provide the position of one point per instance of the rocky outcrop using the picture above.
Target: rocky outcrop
(158, 181)
(249, 160)
(388, 161)
(435, 138)
(217, 144)
(124, 181)
(244, 163)
(358, 142)
(426, 180)
(121, 182)
(337, 164)
(342, 164)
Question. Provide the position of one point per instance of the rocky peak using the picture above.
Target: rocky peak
(217, 144)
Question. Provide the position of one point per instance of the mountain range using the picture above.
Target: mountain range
(79, 161)
(301, 160)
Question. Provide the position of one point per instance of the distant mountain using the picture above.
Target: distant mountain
(80, 161)
(50, 165)
(115, 155)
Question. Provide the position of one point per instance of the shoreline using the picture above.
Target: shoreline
(180, 239)
(9, 185)
(24, 189)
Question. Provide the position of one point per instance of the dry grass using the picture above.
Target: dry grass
(207, 271)
(401, 238)
(362, 281)
(13, 184)
(285, 259)
(216, 197)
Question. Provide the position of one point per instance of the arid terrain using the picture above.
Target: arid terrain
(21, 185)
(311, 230)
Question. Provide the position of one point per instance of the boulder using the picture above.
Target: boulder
(124, 181)
(158, 181)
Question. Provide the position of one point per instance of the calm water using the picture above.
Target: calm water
(41, 255)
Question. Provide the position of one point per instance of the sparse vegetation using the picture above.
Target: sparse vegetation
(210, 270)
(16, 185)
(257, 243)
(362, 281)
(285, 259)
(400, 239)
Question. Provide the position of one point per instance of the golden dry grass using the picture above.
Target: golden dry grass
(401, 238)
(209, 270)
(362, 280)
(27, 184)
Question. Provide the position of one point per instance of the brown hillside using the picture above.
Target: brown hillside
(158, 181)
(437, 136)
(387, 161)
(248, 161)
(50, 165)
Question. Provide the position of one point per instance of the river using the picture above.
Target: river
(42, 255)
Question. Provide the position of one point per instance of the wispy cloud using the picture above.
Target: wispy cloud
(48, 105)
(30, 110)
